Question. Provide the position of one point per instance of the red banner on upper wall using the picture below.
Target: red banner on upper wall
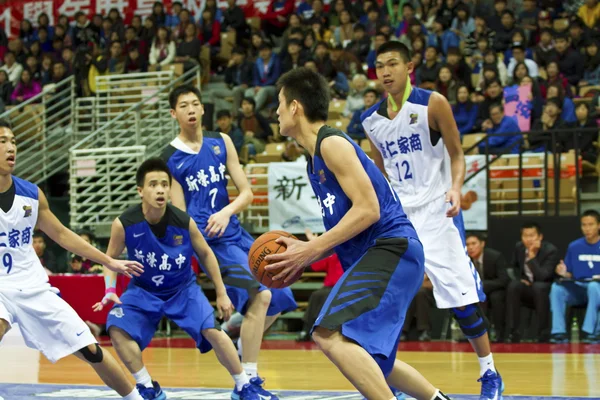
(13, 12)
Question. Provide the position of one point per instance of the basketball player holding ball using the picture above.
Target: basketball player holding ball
(360, 324)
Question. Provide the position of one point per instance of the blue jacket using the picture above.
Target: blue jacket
(272, 74)
(465, 119)
(507, 125)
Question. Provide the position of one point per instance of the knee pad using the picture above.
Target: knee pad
(472, 321)
(91, 357)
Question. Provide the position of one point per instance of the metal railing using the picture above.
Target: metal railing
(42, 127)
(145, 124)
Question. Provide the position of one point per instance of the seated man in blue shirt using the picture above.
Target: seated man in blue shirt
(355, 128)
(582, 262)
(500, 123)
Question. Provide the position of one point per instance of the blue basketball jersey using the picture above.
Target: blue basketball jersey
(202, 177)
(335, 203)
(165, 249)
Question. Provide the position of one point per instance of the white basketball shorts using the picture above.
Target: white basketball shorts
(455, 281)
(47, 322)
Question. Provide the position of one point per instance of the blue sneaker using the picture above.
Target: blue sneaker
(491, 386)
(247, 393)
(264, 394)
(153, 393)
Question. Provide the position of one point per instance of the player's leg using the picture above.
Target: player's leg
(131, 326)
(6, 318)
(50, 325)
(412, 382)
(192, 312)
(108, 370)
(359, 301)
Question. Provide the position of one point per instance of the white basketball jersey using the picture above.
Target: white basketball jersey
(418, 169)
(20, 267)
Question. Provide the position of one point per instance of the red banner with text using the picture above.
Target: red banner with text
(13, 12)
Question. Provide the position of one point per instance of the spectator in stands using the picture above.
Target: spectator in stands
(163, 49)
(482, 34)
(446, 84)
(590, 13)
(461, 72)
(493, 95)
(490, 60)
(355, 100)
(185, 19)
(345, 62)
(67, 59)
(135, 63)
(492, 268)
(238, 78)
(344, 33)
(16, 47)
(335, 11)
(210, 31)
(333, 270)
(132, 40)
(500, 124)
(235, 20)
(419, 310)
(426, 12)
(59, 72)
(585, 132)
(113, 62)
(172, 20)
(47, 258)
(257, 131)
(570, 62)
(550, 120)
(25, 89)
(518, 56)
(26, 32)
(427, 74)
(60, 33)
(267, 70)
(6, 88)
(591, 73)
(504, 36)
(379, 39)
(578, 36)
(294, 56)
(441, 38)
(556, 91)
(148, 31)
(117, 23)
(225, 124)
(355, 129)
(581, 263)
(274, 21)
(544, 51)
(360, 44)
(534, 261)
(46, 69)
(188, 50)
(158, 16)
(12, 68)
(44, 22)
(465, 111)
(528, 19)
(463, 24)
(44, 40)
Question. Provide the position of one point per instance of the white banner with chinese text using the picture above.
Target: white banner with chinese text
(293, 206)
(474, 195)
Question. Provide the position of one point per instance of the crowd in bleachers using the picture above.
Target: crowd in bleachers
(467, 50)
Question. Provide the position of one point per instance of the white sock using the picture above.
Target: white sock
(251, 369)
(142, 377)
(134, 395)
(486, 363)
(239, 345)
(240, 380)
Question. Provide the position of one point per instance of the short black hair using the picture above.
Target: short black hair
(371, 90)
(223, 113)
(477, 235)
(151, 165)
(180, 91)
(5, 124)
(496, 105)
(39, 234)
(532, 225)
(309, 89)
(591, 213)
(554, 100)
(391, 46)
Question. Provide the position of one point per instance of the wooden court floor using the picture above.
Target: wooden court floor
(534, 370)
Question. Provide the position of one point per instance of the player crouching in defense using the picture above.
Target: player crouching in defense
(47, 322)
(164, 239)
(359, 326)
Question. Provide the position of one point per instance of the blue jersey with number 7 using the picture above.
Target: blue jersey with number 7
(202, 178)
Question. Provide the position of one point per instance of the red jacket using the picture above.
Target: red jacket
(331, 265)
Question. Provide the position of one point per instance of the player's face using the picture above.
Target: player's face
(156, 189)
(286, 113)
(590, 227)
(474, 247)
(8, 151)
(392, 71)
(188, 111)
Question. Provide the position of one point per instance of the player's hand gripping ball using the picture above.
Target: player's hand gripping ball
(262, 247)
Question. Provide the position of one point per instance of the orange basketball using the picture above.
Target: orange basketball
(263, 246)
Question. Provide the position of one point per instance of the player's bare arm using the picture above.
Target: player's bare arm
(176, 195)
(209, 261)
(116, 245)
(442, 120)
(341, 159)
(70, 241)
(376, 156)
(217, 223)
